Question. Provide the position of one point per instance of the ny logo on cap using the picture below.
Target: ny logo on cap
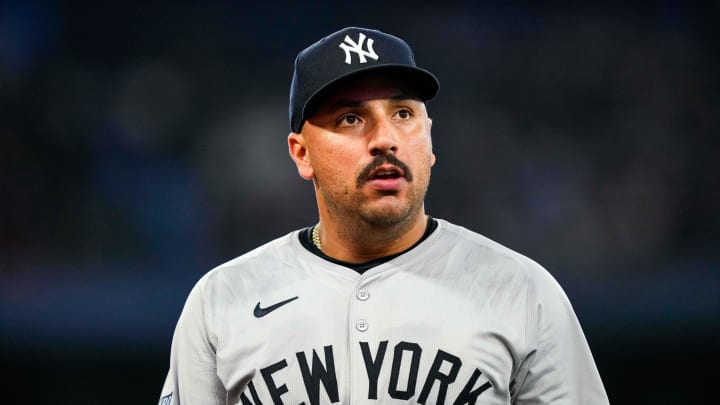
(351, 46)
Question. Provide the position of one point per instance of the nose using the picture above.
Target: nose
(383, 138)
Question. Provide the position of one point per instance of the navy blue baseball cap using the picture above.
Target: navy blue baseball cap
(345, 54)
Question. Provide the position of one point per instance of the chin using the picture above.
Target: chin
(386, 215)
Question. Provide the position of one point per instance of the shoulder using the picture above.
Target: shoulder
(499, 271)
(261, 263)
(494, 259)
(239, 282)
(278, 249)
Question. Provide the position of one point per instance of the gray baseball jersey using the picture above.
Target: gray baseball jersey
(457, 319)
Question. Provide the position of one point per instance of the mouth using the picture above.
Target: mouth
(385, 173)
(386, 179)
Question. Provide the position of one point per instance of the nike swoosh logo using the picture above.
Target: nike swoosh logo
(259, 312)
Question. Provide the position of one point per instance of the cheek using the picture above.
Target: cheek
(424, 149)
(333, 165)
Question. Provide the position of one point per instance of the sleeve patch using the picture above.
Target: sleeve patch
(166, 400)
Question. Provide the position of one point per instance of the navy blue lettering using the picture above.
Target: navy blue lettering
(253, 393)
(444, 379)
(373, 366)
(318, 374)
(409, 391)
(275, 391)
(468, 395)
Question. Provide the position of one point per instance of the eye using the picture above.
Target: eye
(348, 119)
(404, 113)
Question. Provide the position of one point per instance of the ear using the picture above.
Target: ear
(432, 155)
(300, 155)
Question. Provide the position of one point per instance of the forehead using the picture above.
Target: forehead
(367, 88)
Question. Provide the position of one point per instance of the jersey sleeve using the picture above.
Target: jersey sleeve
(192, 377)
(559, 368)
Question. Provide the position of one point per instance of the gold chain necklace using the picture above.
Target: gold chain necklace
(316, 237)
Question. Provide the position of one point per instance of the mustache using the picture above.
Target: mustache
(380, 160)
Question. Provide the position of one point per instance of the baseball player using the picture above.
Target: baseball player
(378, 302)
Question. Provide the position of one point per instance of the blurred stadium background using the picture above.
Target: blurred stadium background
(143, 143)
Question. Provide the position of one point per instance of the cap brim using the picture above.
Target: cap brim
(425, 84)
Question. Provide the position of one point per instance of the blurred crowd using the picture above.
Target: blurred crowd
(143, 143)
(136, 133)
(148, 141)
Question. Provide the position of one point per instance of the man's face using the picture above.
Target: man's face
(367, 147)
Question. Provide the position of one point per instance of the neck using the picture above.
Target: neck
(360, 242)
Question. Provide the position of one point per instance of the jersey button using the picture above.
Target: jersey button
(362, 295)
(362, 325)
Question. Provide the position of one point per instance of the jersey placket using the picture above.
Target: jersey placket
(358, 325)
